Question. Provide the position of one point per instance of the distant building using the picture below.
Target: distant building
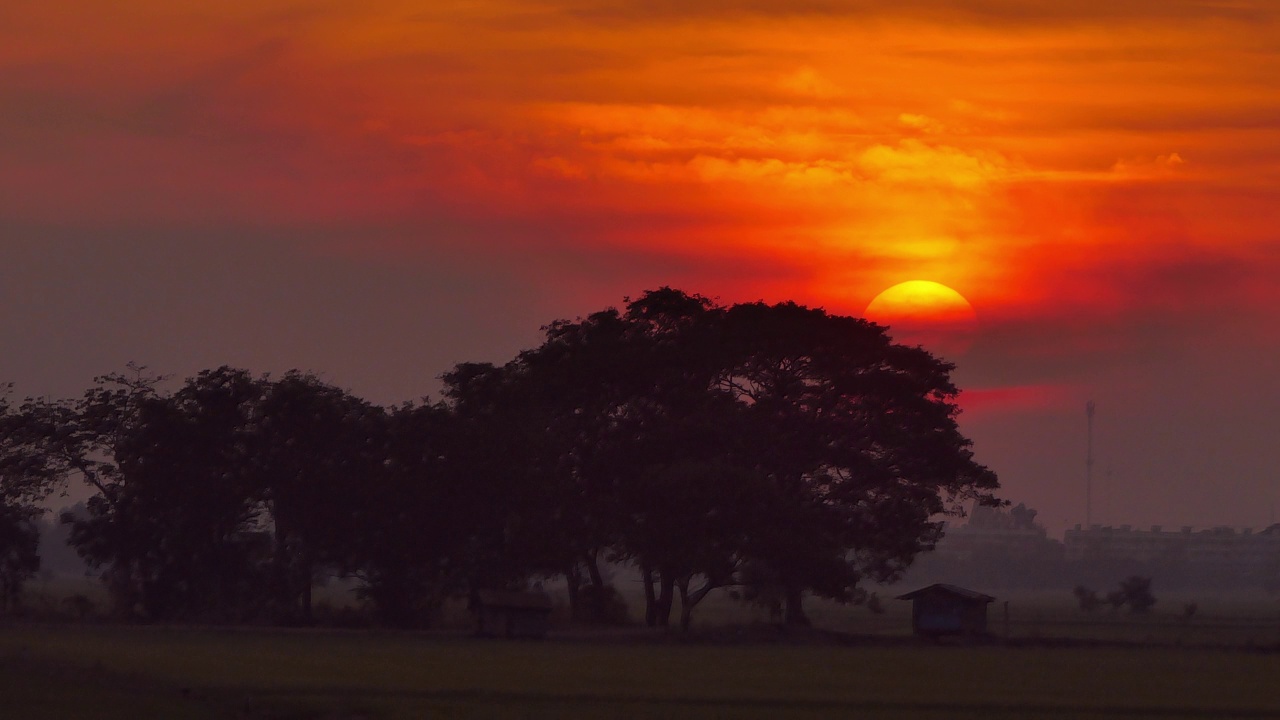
(1007, 548)
(942, 609)
(1241, 554)
(512, 614)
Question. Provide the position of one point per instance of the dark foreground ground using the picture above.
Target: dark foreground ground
(88, 671)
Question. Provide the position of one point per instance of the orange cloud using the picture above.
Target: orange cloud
(984, 145)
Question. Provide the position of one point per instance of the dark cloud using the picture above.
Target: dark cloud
(227, 99)
(1147, 309)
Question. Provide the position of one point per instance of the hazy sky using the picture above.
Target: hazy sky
(375, 191)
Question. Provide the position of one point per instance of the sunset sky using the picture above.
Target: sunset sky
(375, 191)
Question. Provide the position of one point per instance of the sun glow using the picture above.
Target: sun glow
(926, 313)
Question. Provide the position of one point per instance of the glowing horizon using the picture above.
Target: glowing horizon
(976, 147)
(381, 190)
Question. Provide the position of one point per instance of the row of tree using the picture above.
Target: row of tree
(775, 447)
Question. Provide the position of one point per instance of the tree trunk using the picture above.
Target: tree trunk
(650, 597)
(122, 588)
(794, 615)
(306, 581)
(573, 582)
(690, 600)
(665, 598)
(597, 609)
(686, 607)
(283, 598)
(593, 571)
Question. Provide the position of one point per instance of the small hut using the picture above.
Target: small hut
(512, 614)
(948, 610)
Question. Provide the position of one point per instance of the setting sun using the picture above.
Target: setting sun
(922, 312)
(377, 191)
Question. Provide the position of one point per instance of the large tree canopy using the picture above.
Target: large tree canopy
(694, 438)
(27, 475)
(707, 445)
(858, 437)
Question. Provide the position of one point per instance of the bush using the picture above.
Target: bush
(1136, 591)
(1087, 598)
(1189, 611)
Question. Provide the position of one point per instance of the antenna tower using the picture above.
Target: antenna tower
(1089, 409)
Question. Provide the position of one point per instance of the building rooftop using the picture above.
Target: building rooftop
(945, 589)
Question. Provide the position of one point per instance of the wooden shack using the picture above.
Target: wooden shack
(512, 614)
(943, 609)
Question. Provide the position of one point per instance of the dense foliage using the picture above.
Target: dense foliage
(774, 447)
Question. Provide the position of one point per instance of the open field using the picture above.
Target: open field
(1234, 620)
(61, 671)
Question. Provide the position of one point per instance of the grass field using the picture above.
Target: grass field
(1247, 619)
(87, 671)
(1234, 620)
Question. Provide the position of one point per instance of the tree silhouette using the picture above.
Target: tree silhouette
(711, 446)
(19, 557)
(1135, 591)
(174, 526)
(417, 519)
(315, 450)
(859, 439)
(849, 440)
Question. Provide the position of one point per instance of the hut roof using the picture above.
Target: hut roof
(945, 589)
(514, 599)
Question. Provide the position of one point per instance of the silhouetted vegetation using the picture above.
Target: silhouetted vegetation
(19, 557)
(1088, 599)
(1133, 592)
(26, 474)
(773, 447)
